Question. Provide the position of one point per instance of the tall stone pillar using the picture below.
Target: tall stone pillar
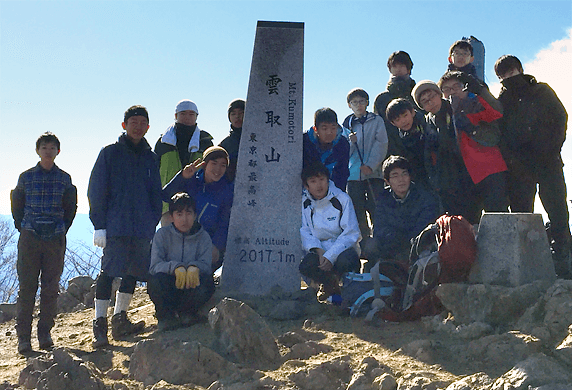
(264, 247)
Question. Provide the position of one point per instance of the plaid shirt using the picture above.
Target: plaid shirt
(44, 191)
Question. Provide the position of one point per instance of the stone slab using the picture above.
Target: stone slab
(512, 250)
(264, 246)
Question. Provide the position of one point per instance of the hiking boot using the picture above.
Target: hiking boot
(190, 319)
(45, 339)
(24, 344)
(99, 333)
(331, 287)
(121, 326)
(168, 323)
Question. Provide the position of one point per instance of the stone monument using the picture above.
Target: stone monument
(264, 247)
(512, 250)
(479, 55)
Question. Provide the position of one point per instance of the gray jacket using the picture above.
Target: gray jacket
(172, 249)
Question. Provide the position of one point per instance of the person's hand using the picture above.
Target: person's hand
(180, 277)
(190, 170)
(99, 238)
(353, 137)
(366, 170)
(325, 264)
(192, 279)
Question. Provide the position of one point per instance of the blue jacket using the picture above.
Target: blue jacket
(398, 221)
(125, 190)
(214, 201)
(336, 159)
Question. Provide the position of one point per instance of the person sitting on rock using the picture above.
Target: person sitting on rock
(330, 231)
(181, 279)
(404, 209)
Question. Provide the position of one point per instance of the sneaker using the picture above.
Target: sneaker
(100, 333)
(45, 339)
(24, 344)
(121, 326)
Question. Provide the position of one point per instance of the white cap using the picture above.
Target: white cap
(186, 105)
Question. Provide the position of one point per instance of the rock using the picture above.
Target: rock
(67, 302)
(558, 308)
(289, 339)
(305, 350)
(478, 381)
(473, 331)
(420, 350)
(287, 310)
(242, 335)
(8, 310)
(384, 382)
(494, 305)
(114, 375)
(512, 250)
(163, 385)
(60, 370)
(420, 381)
(7, 386)
(360, 381)
(537, 370)
(503, 351)
(177, 362)
(79, 286)
(328, 375)
(564, 350)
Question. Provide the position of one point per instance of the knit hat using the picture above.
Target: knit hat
(423, 86)
(186, 105)
(215, 152)
(236, 103)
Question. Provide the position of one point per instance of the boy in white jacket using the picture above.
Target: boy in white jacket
(330, 231)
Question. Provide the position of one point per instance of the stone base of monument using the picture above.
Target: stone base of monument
(512, 250)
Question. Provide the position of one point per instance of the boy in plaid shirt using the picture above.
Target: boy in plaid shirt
(44, 204)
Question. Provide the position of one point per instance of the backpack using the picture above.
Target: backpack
(442, 253)
(357, 289)
(457, 248)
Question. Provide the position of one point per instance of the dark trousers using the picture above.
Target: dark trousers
(523, 181)
(490, 194)
(169, 300)
(364, 201)
(38, 259)
(104, 285)
(347, 261)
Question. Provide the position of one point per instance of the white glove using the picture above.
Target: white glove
(99, 238)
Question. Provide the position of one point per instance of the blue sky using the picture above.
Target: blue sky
(73, 67)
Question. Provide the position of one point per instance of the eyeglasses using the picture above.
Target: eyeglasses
(361, 102)
(396, 175)
(428, 97)
(458, 87)
(463, 53)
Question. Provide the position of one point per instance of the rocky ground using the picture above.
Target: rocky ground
(489, 337)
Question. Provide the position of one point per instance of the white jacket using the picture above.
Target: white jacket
(326, 227)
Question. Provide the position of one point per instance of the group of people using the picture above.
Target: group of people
(369, 186)
(426, 150)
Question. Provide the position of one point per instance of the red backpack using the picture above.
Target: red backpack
(457, 248)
